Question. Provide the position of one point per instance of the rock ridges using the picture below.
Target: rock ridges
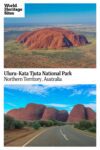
(51, 38)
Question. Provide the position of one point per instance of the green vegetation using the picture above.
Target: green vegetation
(86, 125)
(49, 123)
(18, 124)
(42, 123)
(92, 129)
(10, 123)
(46, 123)
(36, 125)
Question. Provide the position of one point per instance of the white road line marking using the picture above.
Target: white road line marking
(34, 137)
(65, 137)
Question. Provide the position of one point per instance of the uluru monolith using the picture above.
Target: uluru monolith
(51, 38)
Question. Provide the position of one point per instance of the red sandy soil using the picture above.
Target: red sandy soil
(18, 137)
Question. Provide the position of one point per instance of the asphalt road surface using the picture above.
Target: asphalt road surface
(62, 136)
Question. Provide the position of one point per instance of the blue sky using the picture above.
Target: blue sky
(62, 97)
(57, 14)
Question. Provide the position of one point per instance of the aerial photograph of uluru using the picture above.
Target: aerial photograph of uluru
(50, 115)
(51, 36)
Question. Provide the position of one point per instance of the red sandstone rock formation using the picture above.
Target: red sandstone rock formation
(50, 113)
(36, 112)
(91, 115)
(62, 115)
(79, 112)
(30, 112)
(51, 38)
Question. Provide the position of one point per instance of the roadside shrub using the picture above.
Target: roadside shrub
(49, 123)
(25, 123)
(43, 123)
(59, 123)
(84, 125)
(18, 124)
(55, 122)
(28, 123)
(94, 123)
(8, 122)
(92, 129)
(76, 125)
(36, 125)
(46, 123)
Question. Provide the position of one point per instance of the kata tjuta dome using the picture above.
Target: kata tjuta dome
(51, 38)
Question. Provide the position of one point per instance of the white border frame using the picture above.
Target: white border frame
(95, 73)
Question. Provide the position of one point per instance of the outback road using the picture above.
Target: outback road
(62, 136)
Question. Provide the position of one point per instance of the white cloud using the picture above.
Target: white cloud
(91, 105)
(37, 89)
(76, 92)
(92, 92)
(43, 89)
(28, 88)
(81, 91)
(10, 104)
(57, 105)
